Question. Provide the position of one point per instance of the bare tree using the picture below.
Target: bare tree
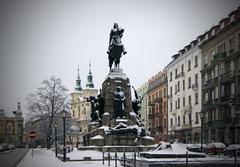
(48, 100)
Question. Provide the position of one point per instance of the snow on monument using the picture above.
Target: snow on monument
(115, 117)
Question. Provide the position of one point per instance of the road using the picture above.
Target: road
(12, 157)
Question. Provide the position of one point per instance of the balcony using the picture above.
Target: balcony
(182, 74)
(169, 97)
(208, 84)
(186, 126)
(219, 56)
(187, 108)
(195, 87)
(227, 77)
(227, 99)
(158, 100)
(174, 112)
(151, 115)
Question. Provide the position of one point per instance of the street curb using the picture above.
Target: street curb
(15, 164)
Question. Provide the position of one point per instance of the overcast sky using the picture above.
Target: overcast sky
(41, 38)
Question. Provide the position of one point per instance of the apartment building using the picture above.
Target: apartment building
(184, 94)
(221, 81)
(157, 103)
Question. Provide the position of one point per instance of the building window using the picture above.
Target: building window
(170, 106)
(196, 80)
(9, 128)
(231, 45)
(221, 48)
(170, 76)
(178, 102)
(196, 98)
(178, 121)
(216, 92)
(189, 65)
(183, 83)
(176, 73)
(182, 69)
(232, 89)
(171, 122)
(231, 66)
(164, 92)
(171, 91)
(216, 71)
(160, 93)
(190, 119)
(183, 101)
(184, 121)
(164, 122)
(189, 83)
(178, 85)
(196, 61)
(175, 104)
(189, 100)
(196, 117)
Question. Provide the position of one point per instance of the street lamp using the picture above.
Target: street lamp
(56, 151)
(64, 132)
(201, 117)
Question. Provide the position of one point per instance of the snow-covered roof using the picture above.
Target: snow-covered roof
(148, 137)
(98, 137)
(74, 128)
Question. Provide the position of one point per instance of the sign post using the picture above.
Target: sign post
(32, 135)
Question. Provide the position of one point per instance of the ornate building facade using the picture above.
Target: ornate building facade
(221, 81)
(157, 103)
(80, 107)
(11, 127)
(184, 94)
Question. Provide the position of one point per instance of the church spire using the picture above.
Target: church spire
(78, 82)
(90, 78)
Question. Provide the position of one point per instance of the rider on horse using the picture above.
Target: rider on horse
(116, 47)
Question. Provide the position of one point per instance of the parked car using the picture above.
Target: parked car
(196, 147)
(3, 147)
(215, 148)
(11, 147)
(230, 150)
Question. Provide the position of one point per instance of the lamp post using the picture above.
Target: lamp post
(201, 117)
(56, 151)
(64, 133)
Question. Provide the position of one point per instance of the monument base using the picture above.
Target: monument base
(124, 131)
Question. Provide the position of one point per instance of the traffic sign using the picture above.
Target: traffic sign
(32, 134)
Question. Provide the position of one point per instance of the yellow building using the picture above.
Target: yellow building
(80, 108)
(11, 127)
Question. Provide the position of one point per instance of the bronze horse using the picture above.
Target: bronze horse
(116, 48)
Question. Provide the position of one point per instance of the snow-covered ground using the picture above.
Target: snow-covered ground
(46, 158)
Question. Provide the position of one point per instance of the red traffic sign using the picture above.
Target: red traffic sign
(32, 134)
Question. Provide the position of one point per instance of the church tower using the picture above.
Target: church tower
(90, 78)
(78, 82)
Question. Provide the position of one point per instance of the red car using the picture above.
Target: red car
(215, 148)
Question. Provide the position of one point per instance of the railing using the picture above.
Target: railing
(195, 87)
(186, 126)
(219, 56)
(179, 75)
(228, 76)
(157, 100)
(187, 108)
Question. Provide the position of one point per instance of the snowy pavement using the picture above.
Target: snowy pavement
(46, 158)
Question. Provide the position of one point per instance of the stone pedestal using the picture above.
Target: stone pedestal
(116, 78)
(116, 131)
